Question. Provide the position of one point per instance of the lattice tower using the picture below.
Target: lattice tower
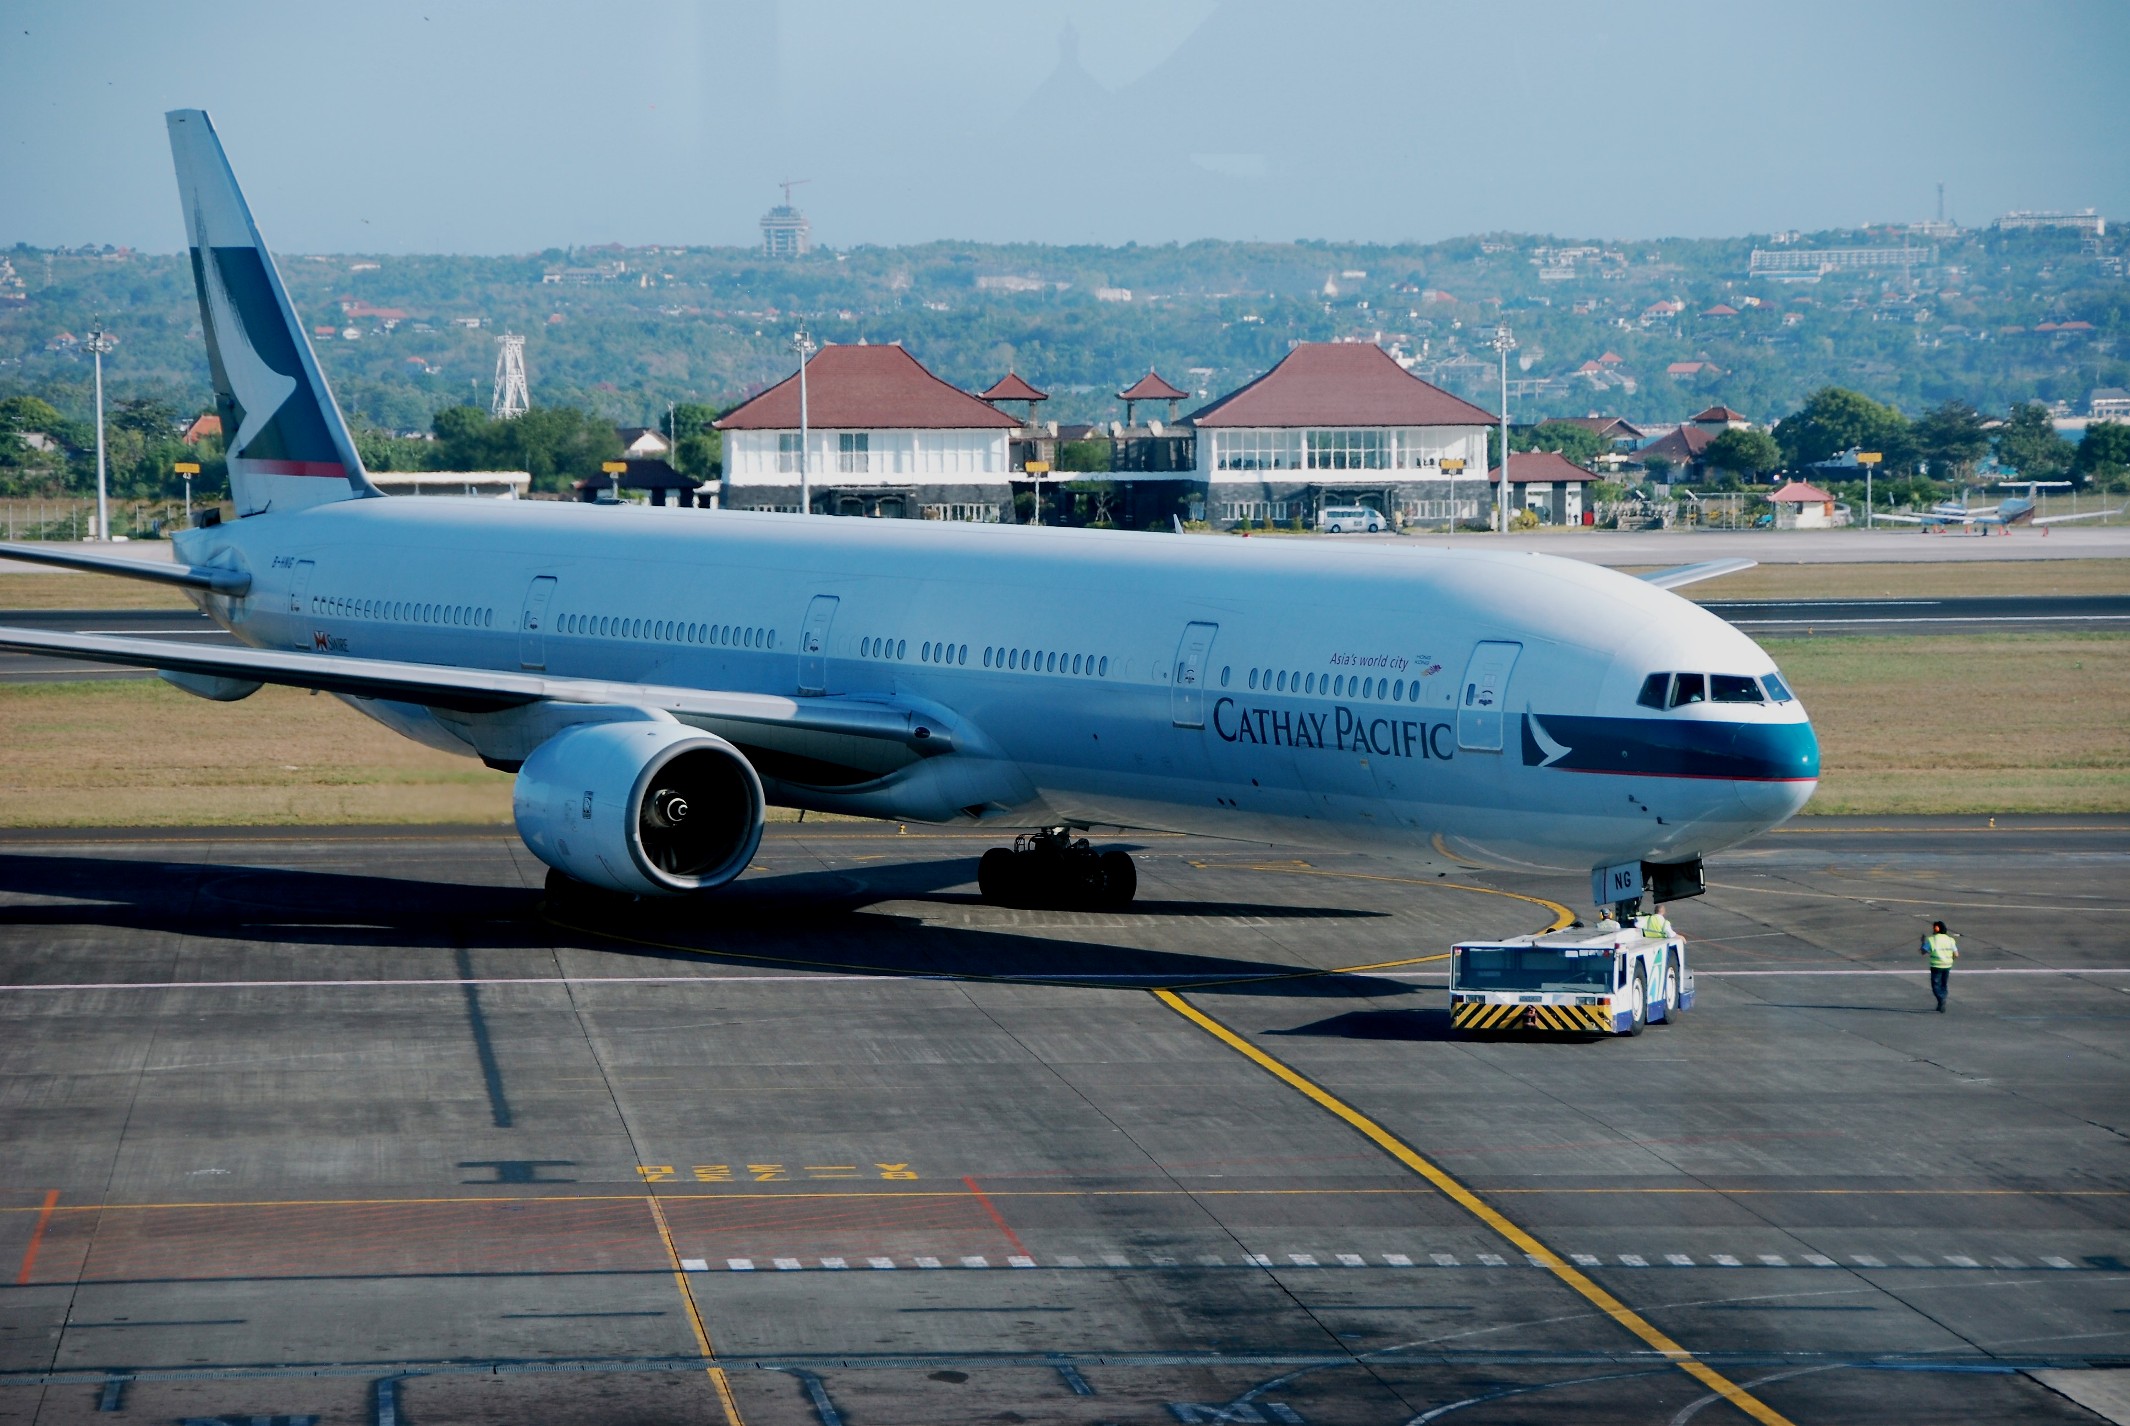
(511, 398)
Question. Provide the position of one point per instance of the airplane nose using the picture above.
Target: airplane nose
(1772, 803)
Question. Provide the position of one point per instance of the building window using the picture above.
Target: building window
(1364, 449)
(787, 453)
(853, 452)
(1258, 450)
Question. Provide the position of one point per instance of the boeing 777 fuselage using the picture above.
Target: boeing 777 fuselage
(656, 678)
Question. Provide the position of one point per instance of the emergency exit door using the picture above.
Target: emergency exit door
(1483, 695)
(532, 622)
(299, 585)
(813, 646)
(1187, 699)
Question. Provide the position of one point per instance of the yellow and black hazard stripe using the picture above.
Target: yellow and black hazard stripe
(1577, 1019)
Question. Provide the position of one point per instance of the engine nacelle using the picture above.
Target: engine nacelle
(652, 808)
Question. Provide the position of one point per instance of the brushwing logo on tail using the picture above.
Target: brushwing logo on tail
(258, 371)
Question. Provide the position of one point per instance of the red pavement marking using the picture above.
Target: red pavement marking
(996, 1216)
(29, 1254)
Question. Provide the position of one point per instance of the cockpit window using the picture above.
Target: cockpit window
(1734, 688)
(1776, 689)
(1654, 688)
(1688, 688)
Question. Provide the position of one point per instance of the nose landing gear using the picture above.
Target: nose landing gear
(1054, 871)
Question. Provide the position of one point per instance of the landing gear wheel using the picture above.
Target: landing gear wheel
(1640, 1018)
(1120, 879)
(1055, 871)
(997, 877)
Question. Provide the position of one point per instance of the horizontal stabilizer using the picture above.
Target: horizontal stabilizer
(477, 690)
(207, 577)
(1695, 573)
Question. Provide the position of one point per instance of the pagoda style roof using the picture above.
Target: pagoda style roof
(1340, 384)
(1151, 387)
(1011, 388)
(862, 387)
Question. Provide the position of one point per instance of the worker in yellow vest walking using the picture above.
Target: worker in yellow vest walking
(1941, 950)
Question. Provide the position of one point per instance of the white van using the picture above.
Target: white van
(1338, 519)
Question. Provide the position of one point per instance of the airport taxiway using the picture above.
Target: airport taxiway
(343, 1125)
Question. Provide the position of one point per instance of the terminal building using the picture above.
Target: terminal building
(1340, 423)
(884, 437)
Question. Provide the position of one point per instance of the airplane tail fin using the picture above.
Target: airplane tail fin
(287, 444)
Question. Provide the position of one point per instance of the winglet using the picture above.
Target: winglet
(288, 445)
(1695, 573)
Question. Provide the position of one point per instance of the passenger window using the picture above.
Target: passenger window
(1253, 678)
(1102, 671)
(1688, 688)
(1733, 688)
(1654, 688)
(1283, 682)
(1776, 690)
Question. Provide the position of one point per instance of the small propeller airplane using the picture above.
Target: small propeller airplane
(2012, 510)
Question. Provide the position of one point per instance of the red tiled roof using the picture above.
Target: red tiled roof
(1151, 387)
(1688, 368)
(1721, 309)
(1800, 493)
(1718, 412)
(1340, 384)
(1540, 467)
(882, 388)
(1612, 359)
(207, 423)
(1681, 447)
(1011, 388)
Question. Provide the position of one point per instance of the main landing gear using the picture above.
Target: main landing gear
(1053, 870)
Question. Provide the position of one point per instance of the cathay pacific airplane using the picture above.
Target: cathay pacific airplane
(656, 679)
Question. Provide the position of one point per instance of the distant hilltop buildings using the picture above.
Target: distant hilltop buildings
(785, 231)
(2085, 220)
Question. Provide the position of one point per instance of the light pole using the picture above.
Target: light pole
(1869, 460)
(1504, 344)
(803, 344)
(99, 343)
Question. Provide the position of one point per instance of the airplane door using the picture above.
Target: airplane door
(532, 623)
(813, 646)
(1187, 700)
(299, 585)
(1484, 693)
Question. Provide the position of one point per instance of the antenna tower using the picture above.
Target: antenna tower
(511, 398)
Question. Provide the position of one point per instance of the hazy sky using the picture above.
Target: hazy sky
(445, 126)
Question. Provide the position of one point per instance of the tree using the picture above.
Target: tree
(2028, 443)
(28, 413)
(1744, 452)
(1834, 419)
(698, 448)
(554, 443)
(1579, 444)
(2104, 455)
(156, 420)
(1952, 438)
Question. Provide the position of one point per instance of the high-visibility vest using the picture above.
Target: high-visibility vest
(1655, 926)
(1942, 950)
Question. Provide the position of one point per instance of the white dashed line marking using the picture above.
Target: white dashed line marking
(740, 1265)
(694, 1265)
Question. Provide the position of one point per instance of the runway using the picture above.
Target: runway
(342, 1125)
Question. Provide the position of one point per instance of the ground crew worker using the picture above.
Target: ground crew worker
(1942, 950)
(1655, 926)
(1608, 924)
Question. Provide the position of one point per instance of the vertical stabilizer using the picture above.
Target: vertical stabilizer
(287, 444)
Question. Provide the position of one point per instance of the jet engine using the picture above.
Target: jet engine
(650, 808)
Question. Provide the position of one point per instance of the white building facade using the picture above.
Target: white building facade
(883, 437)
(1338, 423)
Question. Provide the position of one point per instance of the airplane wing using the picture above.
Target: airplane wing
(1695, 573)
(471, 690)
(1884, 517)
(2088, 515)
(207, 577)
